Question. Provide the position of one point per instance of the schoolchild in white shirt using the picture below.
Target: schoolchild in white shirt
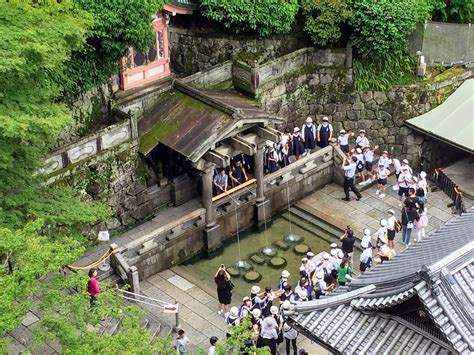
(362, 140)
(369, 162)
(382, 178)
(343, 141)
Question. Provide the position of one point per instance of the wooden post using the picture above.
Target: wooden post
(133, 279)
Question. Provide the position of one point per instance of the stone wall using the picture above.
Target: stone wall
(318, 91)
(191, 51)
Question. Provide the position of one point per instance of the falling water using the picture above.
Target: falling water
(289, 207)
(268, 250)
(240, 263)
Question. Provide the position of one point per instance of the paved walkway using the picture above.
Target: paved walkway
(198, 306)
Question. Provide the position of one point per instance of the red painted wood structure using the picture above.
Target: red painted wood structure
(138, 67)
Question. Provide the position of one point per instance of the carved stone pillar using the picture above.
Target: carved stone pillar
(258, 171)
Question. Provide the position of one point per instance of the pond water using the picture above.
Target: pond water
(253, 240)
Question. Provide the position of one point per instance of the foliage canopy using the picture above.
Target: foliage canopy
(264, 16)
(461, 11)
(323, 19)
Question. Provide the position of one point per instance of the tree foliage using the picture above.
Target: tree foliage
(323, 19)
(380, 28)
(461, 11)
(264, 16)
(118, 25)
(69, 319)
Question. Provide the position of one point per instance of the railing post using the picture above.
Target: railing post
(113, 259)
(176, 317)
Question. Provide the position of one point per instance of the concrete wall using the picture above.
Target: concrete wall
(302, 177)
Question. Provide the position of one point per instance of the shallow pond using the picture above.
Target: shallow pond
(252, 241)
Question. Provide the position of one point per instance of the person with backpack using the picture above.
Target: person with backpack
(245, 308)
(232, 320)
(348, 239)
(275, 313)
(255, 296)
(268, 334)
(298, 143)
(409, 216)
(365, 259)
(290, 334)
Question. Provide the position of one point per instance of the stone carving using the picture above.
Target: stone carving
(52, 164)
(115, 136)
(82, 151)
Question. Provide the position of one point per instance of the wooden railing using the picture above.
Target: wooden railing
(450, 188)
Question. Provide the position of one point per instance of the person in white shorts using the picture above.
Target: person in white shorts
(391, 230)
(382, 178)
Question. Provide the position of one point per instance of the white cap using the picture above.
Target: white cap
(304, 259)
(333, 245)
(423, 174)
(383, 222)
(340, 254)
(384, 152)
(255, 289)
(333, 252)
(326, 256)
(362, 131)
(405, 161)
(366, 231)
(234, 311)
(309, 254)
(358, 150)
(285, 273)
(286, 304)
(309, 120)
(256, 312)
(274, 310)
(342, 131)
(325, 118)
(391, 211)
(246, 298)
(296, 129)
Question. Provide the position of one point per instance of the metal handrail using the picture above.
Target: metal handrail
(450, 188)
(157, 304)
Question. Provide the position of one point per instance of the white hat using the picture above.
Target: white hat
(358, 150)
(405, 161)
(285, 273)
(342, 131)
(423, 174)
(268, 144)
(383, 222)
(362, 131)
(286, 304)
(333, 245)
(246, 298)
(303, 294)
(256, 312)
(309, 120)
(391, 211)
(326, 256)
(384, 152)
(234, 311)
(366, 231)
(309, 254)
(340, 254)
(255, 289)
(296, 129)
(325, 118)
(364, 244)
(274, 310)
(304, 260)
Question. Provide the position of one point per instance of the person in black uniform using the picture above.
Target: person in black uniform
(237, 174)
(324, 133)
(349, 173)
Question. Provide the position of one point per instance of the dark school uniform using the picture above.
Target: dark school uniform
(298, 146)
(309, 134)
(324, 132)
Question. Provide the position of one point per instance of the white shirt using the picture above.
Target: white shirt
(405, 179)
(343, 139)
(212, 350)
(331, 264)
(369, 156)
(397, 165)
(366, 255)
(384, 249)
(422, 184)
(322, 125)
(385, 161)
(366, 239)
(391, 222)
(410, 170)
(360, 157)
(381, 232)
(362, 141)
(382, 173)
(349, 170)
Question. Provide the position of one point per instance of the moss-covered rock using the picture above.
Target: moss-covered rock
(257, 259)
(277, 262)
(234, 272)
(252, 276)
(301, 249)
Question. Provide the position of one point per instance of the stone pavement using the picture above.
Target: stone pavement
(326, 204)
(198, 306)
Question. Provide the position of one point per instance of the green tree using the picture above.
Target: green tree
(380, 28)
(323, 19)
(118, 25)
(69, 319)
(461, 11)
(264, 16)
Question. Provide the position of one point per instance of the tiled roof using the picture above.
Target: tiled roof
(439, 271)
(400, 272)
(349, 331)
